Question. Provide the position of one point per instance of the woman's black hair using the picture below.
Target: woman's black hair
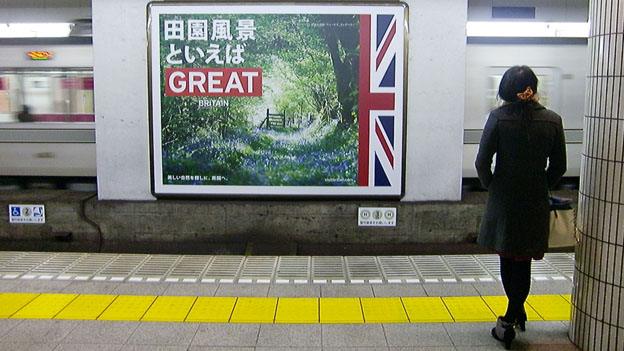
(516, 80)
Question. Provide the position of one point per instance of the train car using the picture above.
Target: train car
(47, 121)
(47, 126)
(561, 68)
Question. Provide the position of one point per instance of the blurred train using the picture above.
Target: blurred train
(560, 65)
(47, 123)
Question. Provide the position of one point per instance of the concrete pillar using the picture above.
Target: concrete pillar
(597, 321)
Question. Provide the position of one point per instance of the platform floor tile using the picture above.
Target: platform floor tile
(353, 337)
(163, 334)
(101, 332)
(296, 336)
(226, 336)
(417, 336)
(37, 331)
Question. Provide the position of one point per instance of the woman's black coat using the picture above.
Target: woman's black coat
(530, 158)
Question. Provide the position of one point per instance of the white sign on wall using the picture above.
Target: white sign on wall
(377, 216)
(26, 214)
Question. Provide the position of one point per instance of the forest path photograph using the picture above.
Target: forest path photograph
(300, 130)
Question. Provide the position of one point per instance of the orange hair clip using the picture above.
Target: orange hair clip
(526, 95)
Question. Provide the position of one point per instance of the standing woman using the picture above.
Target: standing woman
(530, 153)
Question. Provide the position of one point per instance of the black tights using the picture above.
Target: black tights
(516, 277)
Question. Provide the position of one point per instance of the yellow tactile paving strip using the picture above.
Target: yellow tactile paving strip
(383, 310)
(498, 304)
(426, 310)
(212, 310)
(254, 310)
(297, 310)
(275, 310)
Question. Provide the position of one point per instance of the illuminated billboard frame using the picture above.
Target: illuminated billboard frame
(268, 99)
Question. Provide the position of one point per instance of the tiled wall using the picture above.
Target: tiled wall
(598, 314)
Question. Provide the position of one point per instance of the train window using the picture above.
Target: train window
(46, 96)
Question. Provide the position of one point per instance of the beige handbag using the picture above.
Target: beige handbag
(562, 223)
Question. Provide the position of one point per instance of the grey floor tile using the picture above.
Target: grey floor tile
(8, 285)
(489, 289)
(191, 289)
(471, 334)
(101, 332)
(26, 347)
(242, 290)
(290, 335)
(357, 348)
(218, 348)
(141, 288)
(342, 290)
(450, 289)
(39, 332)
(353, 335)
(91, 288)
(152, 348)
(47, 286)
(88, 347)
(165, 334)
(295, 290)
(390, 290)
(558, 347)
(423, 348)
(543, 333)
(7, 324)
(498, 347)
(417, 335)
(551, 287)
(240, 335)
(274, 348)
(520, 347)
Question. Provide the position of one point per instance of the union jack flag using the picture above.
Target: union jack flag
(379, 117)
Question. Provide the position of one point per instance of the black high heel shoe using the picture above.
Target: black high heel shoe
(504, 332)
(521, 321)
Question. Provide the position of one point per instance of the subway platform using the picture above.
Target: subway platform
(107, 301)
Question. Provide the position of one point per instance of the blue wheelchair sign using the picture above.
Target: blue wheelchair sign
(15, 211)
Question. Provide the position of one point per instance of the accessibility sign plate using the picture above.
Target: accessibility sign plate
(377, 216)
(26, 214)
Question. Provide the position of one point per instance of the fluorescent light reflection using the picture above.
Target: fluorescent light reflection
(528, 29)
(34, 30)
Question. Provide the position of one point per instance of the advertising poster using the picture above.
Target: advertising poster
(277, 100)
